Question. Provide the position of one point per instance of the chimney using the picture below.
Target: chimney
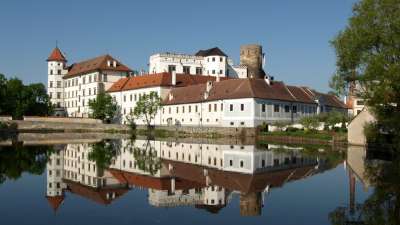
(114, 63)
(173, 78)
(268, 79)
(209, 86)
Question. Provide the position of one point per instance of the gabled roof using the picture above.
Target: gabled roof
(96, 64)
(328, 99)
(56, 55)
(158, 80)
(99, 195)
(211, 51)
(235, 89)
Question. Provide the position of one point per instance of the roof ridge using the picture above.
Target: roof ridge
(291, 94)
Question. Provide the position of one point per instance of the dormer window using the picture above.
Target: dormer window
(213, 59)
(109, 63)
(114, 63)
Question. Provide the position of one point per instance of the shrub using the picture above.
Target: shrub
(310, 122)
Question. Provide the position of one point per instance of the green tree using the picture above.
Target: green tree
(103, 153)
(309, 122)
(147, 107)
(103, 107)
(368, 53)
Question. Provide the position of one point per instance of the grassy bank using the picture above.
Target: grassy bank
(319, 135)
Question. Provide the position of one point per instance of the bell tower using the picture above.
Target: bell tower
(56, 64)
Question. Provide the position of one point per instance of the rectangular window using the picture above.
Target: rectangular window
(213, 71)
(130, 97)
(294, 109)
(287, 108)
(171, 68)
(190, 108)
(215, 107)
(231, 107)
(213, 59)
(360, 102)
(59, 72)
(276, 108)
(222, 107)
(124, 98)
(183, 109)
(186, 69)
(196, 108)
(58, 84)
(263, 108)
(221, 59)
(105, 77)
(209, 107)
(58, 95)
(51, 84)
(199, 71)
(241, 107)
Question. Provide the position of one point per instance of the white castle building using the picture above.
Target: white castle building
(71, 87)
(204, 89)
(210, 62)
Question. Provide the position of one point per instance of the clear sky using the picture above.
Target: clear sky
(295, 34)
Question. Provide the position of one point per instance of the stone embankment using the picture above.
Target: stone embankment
(60, 124)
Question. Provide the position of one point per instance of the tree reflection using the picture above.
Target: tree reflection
(146, 158)
(383, 206)
(15, 160)
(104, 152)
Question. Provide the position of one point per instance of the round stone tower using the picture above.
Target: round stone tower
(252, 56)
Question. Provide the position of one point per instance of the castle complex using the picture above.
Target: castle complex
(204, 89)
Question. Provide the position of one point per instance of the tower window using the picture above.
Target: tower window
(241, 107)
(213, 59)
(59, 72)
(231, 107)
(51, 72)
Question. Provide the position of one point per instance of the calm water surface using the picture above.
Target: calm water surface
(125, 181)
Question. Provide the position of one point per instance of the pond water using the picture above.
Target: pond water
(190, 181)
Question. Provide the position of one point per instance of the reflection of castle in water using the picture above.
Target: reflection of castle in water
(205, 176)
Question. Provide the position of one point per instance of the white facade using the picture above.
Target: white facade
(55, 86)
(213, 65)
(79, 90)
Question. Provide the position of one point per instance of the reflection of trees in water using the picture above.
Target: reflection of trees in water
(104, 152)
(146, 158)
(383, 206)
(15, 160)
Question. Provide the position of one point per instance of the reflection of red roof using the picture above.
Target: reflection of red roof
(159, 80)
(96, 64)
(55, 201)
(152, 182)
(245, 183)
(56, 55)
(98, 195)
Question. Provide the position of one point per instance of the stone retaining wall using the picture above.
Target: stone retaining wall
(62, 120)
(41, 126)
(5, 118)
(224, 131)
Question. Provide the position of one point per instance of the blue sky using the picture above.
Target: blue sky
(295, 34)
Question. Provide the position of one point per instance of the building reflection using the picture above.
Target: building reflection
(200, 175)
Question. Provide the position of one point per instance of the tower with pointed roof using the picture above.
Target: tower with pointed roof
(55, 185)
(57, 68)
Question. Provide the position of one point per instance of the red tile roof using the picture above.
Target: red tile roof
(56, 55)
(158, 80)
(163, 183)
(98, 195)
(328, 99)
(235, 89)
(96, 64)
(55, 201)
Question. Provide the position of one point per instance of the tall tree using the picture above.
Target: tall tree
(103, 107)
(368, 53)
(147, 107)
